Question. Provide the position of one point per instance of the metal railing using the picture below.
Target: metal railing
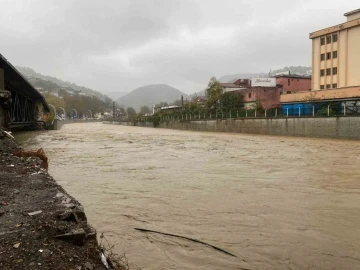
(309, 111)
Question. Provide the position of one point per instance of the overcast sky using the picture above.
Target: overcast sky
(118, 45)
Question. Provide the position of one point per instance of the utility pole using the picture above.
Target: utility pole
(113, 110)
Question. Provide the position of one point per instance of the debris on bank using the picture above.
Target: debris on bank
(41, 226)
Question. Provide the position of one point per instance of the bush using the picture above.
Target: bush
(324, 112)
(156, 121)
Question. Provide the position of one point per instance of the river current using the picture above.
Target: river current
(274, 202)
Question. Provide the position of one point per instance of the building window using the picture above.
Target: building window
(249, 95)
(334, 85)
(328, 71)
(288, 82)
(322, 86)
(328, 86)
(334, 70)
(322, 57)
(322, 41)
(334, 38)
(288, 92)
(322, 72)
(328, 56)
(328, 39)
(335, 54)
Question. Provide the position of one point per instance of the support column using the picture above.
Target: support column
(3, 96)
(2, 79)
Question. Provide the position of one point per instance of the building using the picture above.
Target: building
(266, 91)
(235, 86)
(170, 108)
(335, 65)
(293, 83)
(267, 97)
(336, 54)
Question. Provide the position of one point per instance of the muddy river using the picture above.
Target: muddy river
(274, 202)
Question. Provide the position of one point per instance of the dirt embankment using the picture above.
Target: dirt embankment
(41, 226)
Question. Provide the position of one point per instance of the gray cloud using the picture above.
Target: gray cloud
(119, 45)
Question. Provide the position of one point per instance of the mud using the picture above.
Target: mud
(35, 213)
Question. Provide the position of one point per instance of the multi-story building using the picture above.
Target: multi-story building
(336, 54)
(335, 64)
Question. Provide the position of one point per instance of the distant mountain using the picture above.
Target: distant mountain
(32, 75)
(149, 95)
(299, 70)
(116, 95)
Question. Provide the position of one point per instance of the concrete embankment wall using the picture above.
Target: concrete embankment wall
(329, 127)
(59, 123)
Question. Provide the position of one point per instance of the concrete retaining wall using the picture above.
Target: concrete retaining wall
(329, 127)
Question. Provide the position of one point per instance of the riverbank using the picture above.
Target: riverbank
(41, 225)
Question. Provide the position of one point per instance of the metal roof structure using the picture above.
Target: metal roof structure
(18, 83)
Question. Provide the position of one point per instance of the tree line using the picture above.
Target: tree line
(216, 101)
(81, 103)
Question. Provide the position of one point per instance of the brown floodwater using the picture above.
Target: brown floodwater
(274, 202)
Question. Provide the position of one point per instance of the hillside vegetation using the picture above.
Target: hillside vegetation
(68, 97)
(29, 72)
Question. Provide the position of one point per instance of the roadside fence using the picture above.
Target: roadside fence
(284, 112)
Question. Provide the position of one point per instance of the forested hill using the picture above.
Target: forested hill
(29, 72)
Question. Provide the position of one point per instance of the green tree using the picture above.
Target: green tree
(145, 110)
(231, 101)
(82, 104)
(130, 112)
(213, 92)
(53, 100)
